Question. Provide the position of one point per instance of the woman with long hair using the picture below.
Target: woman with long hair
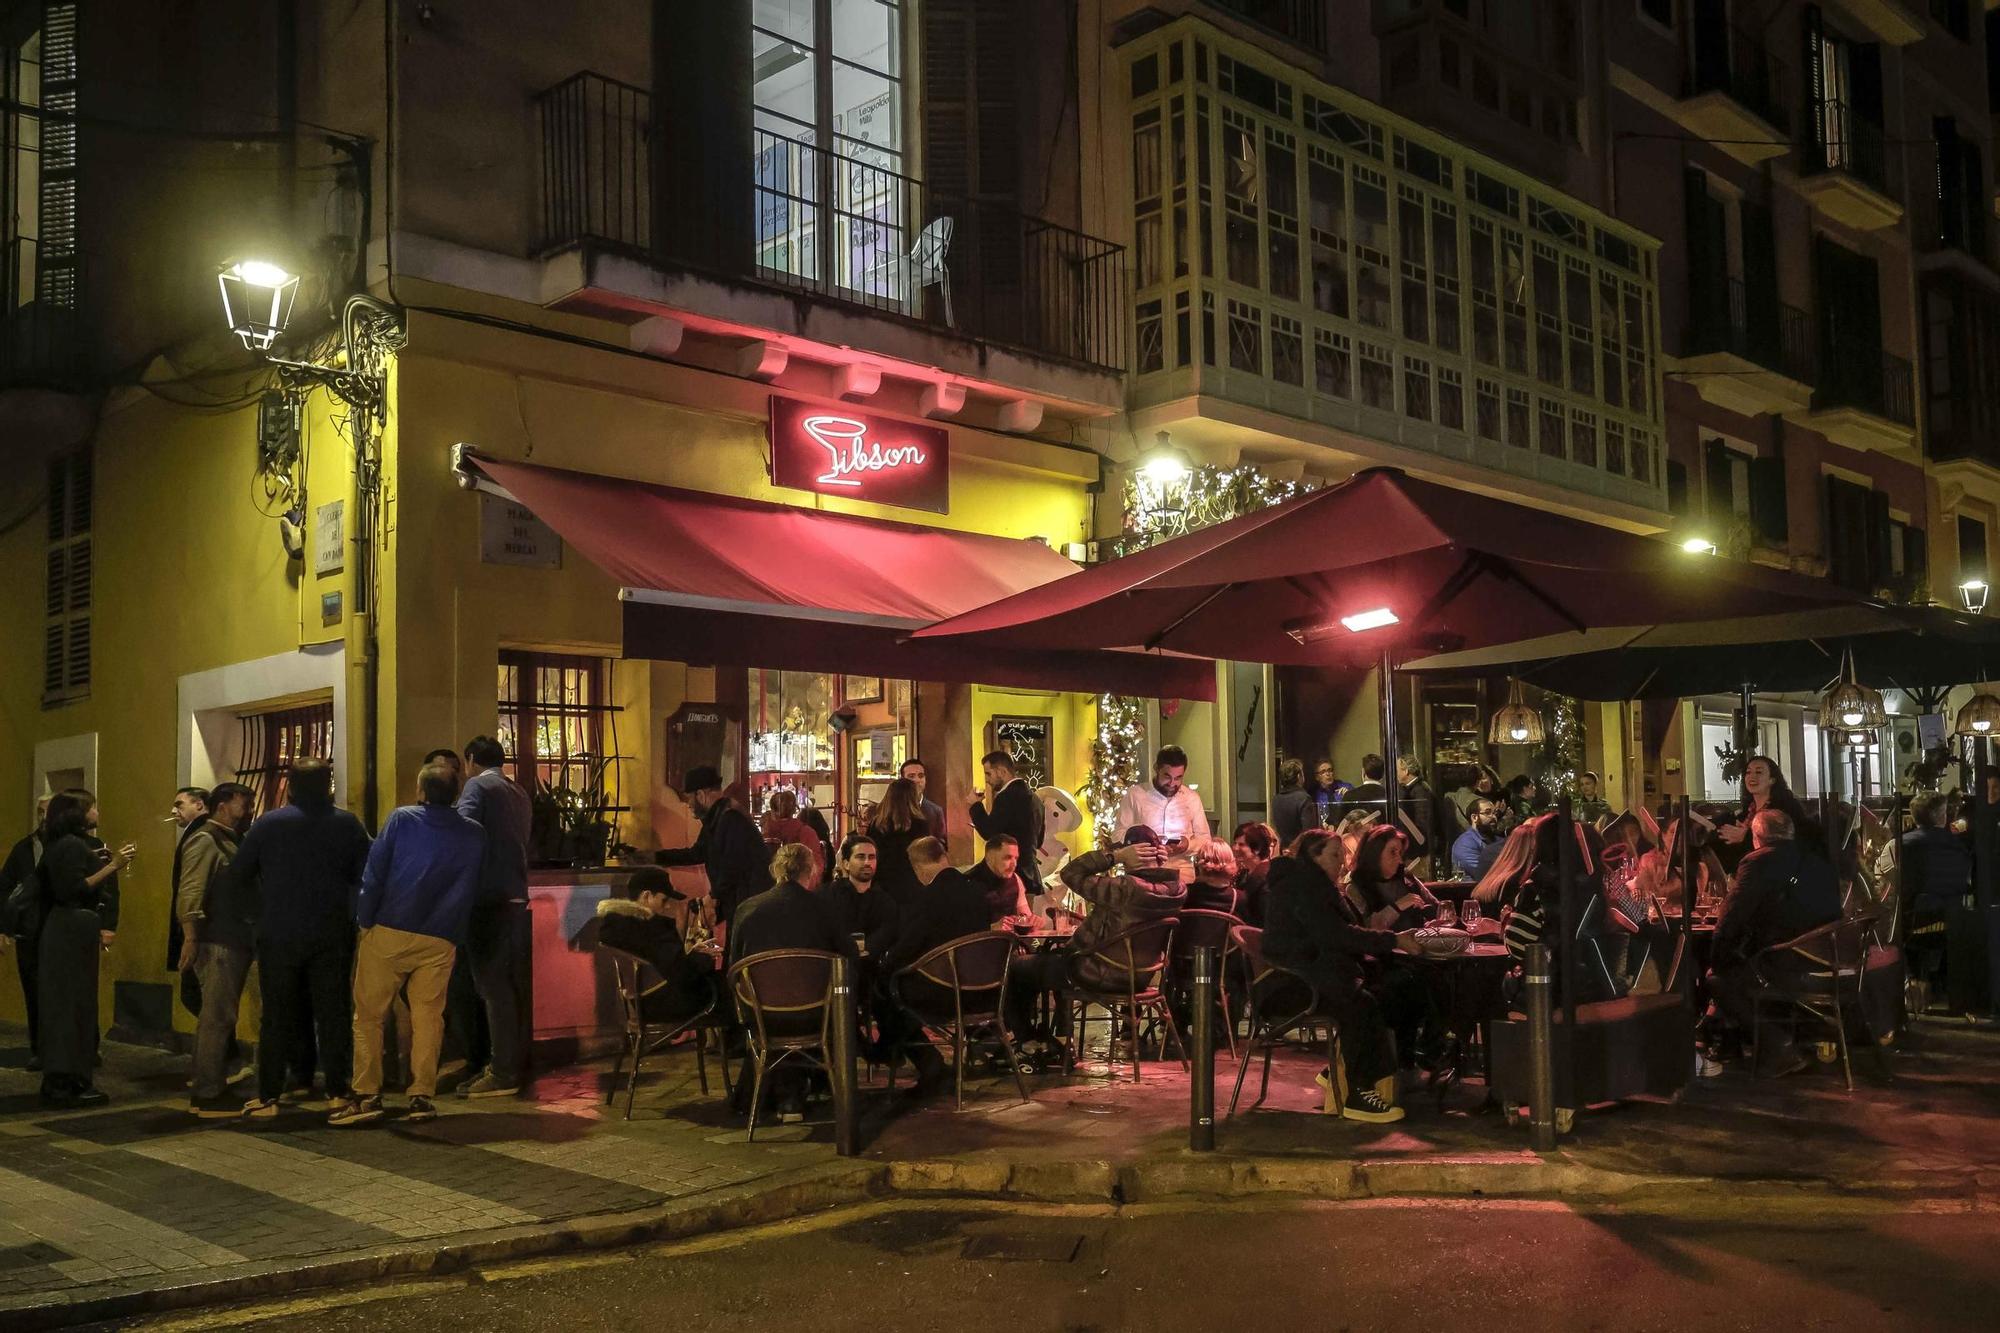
(1496, 888)
(1765, 788)
(897, 821)
(1381, 886)
(80, 891)
(1659, 875)
(1311, 929)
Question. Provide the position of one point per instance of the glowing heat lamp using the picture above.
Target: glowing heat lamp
(1371, 619)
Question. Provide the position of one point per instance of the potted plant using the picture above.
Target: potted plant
(570, 826)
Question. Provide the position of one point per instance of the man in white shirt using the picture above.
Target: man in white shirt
(1167, 805)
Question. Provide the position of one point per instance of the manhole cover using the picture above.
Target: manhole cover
(1024, 1247)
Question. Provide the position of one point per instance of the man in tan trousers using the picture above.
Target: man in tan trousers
(416, 899)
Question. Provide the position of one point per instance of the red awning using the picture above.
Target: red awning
(716, 579)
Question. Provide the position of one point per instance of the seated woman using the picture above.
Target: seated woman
(644, 925)
(1533, 902)
(1385, 893)
(1659, 879)
(1313, 929)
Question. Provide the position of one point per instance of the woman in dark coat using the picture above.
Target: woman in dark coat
(80, 886)
(1310, 928)
(897, 822)
(1381, 887)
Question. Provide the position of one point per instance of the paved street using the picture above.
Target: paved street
(138, 1199)
(1423, 1265)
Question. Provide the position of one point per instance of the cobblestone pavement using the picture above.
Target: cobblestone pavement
(141, 1189)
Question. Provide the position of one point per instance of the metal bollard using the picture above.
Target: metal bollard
(846, 1098)
(1201, 1080)
(1541, 1040)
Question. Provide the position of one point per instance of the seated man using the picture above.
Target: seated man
(999, 878)
(790, 916)
(861, 908)
(1782, 891)
(1479, 846)
(645, 925)
(1118, 902)
(948, 905)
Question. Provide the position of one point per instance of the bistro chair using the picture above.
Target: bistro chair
(1135, 960)
(785, 999)
(636, 979)
(1203, 926)
(1277, 1003)
(957, 990)
(1837, 959)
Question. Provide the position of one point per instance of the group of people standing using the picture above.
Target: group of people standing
(353, 939)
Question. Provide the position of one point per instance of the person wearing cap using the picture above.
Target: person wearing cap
(1166, 805)
(729, 847)
(644, 924)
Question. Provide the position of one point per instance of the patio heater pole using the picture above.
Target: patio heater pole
(1541, 1069)
(846, 1098)
(1390, 783)
(1985, 882)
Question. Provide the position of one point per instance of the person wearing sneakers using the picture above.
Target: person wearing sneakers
(1310, 929)
(416, 899)
(498, 937)
(218, 935)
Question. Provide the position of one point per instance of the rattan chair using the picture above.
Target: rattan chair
(959, 989)
(1136, 959)
(1277, 1003)
(785, 1000)
(1836, 956)
(636, 979)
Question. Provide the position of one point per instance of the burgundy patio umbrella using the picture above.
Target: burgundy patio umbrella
(1382, 567)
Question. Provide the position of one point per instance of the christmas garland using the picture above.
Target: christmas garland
(1155, 512)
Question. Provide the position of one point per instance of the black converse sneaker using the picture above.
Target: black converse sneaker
(1367, 1104)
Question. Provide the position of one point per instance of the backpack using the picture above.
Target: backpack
(21, 914)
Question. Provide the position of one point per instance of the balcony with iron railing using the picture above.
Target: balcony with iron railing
(1844, 167)
(1863, 398)
(1301, 22)
(834, 226)
(1749, 355)
(1735, 89)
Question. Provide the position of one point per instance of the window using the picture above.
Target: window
(1659, 11)
(272, 742)
(829, 107)
(67, 569)
(555, 720)
(1961, 214)
(38, 161)
(1972, 559)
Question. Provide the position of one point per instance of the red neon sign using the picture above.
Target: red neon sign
(832, 451)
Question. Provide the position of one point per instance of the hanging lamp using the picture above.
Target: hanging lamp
(1516, 723)
(1850, 705)
(1980, 716)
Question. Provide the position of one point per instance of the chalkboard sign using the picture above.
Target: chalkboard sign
(1031, 741)
(699, 734)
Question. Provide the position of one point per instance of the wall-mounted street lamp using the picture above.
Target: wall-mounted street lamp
(1700, 546)
(1972, 595)
(257, 299)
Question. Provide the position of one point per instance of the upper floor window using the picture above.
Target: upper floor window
(556, 720)
(68, 569)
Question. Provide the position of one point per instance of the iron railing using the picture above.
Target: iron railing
(1770, 333)
(1862, 376)
(835, 225)
(38, 319)
(1723, 58)
(1845, 141)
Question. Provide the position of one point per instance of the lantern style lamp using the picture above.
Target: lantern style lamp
(1163, 464)
(1516, 723)
(1980, 716)
(1851, 705)
(1972, 595)
(257, 301)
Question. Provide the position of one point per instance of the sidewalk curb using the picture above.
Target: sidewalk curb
(1181, 1178)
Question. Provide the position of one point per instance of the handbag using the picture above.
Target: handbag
(21, 914)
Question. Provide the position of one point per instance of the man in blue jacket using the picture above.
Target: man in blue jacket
(416, 899)
(300, 867)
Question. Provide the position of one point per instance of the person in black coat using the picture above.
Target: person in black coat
(948, 906)
(729, 846)
(790, 916)
(898, 822)
(862, 906)
(1937, 863)
(19, 873)
(299, 868)
(643, 925)
(1784, 888)
(1010, 808)
(80, 887)
(1312, 929)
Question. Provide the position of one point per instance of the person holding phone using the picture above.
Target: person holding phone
(1166, 805)
(80, 887)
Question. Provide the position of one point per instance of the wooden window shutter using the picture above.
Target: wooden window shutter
(948, 102)
(1769, 518)
(1813, 26)
(1718, 460)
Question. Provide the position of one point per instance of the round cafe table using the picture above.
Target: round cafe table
(1470, 994)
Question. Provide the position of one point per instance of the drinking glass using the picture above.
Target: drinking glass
(1468, 913)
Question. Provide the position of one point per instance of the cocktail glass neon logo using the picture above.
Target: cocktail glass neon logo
(851, 455)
